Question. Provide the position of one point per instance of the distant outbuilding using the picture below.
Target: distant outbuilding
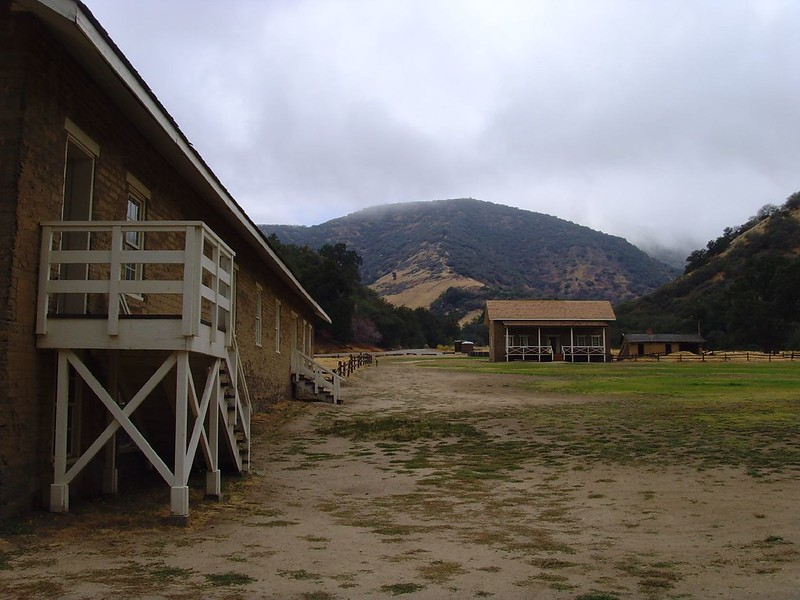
(651, 344)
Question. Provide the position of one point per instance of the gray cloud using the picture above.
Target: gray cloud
(661, 121)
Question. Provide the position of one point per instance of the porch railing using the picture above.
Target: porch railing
(573, 352)
(525, 351)
(189, 267)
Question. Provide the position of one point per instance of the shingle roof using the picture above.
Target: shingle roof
(549, 310)
(638, 338)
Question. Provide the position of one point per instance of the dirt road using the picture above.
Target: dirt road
(427, 484)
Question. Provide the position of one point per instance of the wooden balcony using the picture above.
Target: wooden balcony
(98, 292)
(143, 286)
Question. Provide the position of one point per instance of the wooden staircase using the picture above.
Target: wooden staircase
(312, 381)
(235, 411)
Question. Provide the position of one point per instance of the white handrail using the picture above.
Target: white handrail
(198, 268)
(322, 377)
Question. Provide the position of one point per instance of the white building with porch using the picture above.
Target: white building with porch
(549, 330)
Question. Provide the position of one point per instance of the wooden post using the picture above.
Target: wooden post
(59, 490)
(179, 491)
(214, 475)
(606, 350)
(115, 268)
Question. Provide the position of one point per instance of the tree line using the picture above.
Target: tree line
(742, 291)
(360, 316)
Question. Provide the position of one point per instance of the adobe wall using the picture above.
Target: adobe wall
(43, 87)
(497, 344)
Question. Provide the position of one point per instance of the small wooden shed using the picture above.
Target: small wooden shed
(652, 344)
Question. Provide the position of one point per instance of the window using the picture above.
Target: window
(597, 341)
(580, 340)
(258, 315)
(523, 340)
(80, 155)
(134, 239)
(277, 326)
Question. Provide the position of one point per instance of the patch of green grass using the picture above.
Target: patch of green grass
(398, 428)
(759, 434)
(398, 589)
(598, 596)
(393, 530)
(319, 595)
(300, 575)
(316, 539)
(228, 579)
(656, 576)
(10, 527)
(166, 573)
(777, 380)
(277, 523)
(40, 588)
(440, 571)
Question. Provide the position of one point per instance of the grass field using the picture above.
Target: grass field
(745, 414)
(724, 381)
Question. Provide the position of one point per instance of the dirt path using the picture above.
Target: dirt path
(442, 494)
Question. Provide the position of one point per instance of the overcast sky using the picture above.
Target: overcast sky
(656, 120)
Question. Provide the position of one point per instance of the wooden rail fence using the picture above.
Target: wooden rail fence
(355, 361)
(716, 357)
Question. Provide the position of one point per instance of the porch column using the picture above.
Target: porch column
(59, 489)
(605, 349)
(539, 343)
(506, 343)
(179, 492)
(572, 344)
(214, 476)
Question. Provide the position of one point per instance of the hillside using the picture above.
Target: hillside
(413, 252)
(741, 291)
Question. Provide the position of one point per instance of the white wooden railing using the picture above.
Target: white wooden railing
(524, 351)
(322, 378)
(573, 352)
(187, 260)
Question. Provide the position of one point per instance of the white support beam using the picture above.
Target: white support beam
(217, 399)
(200, 411)
(539, 341)
(59, 490)
(115, 269)
(179, 490)
(572, 343)
(121, 417)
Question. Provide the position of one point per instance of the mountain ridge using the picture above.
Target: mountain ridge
(742, 291)
(412, 252)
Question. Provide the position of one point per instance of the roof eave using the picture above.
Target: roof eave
(91, 44)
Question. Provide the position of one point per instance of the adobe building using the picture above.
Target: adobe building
(145, 316)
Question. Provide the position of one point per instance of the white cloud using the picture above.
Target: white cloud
(664, 120)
